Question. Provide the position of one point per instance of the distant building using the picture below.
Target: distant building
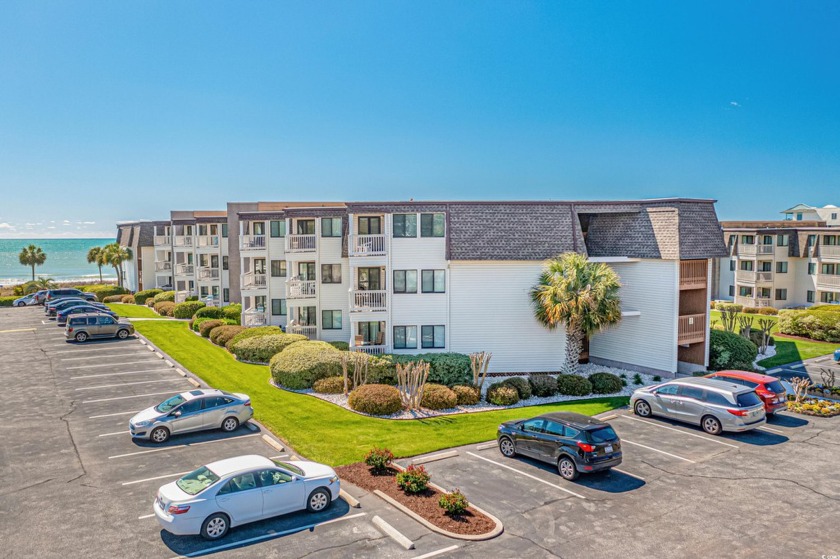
(830, 215)
(139, 272)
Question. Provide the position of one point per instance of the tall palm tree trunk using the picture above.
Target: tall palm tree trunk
(33, 272)
(574, 345)
(100, 273)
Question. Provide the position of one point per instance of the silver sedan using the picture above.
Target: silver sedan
(195, 410)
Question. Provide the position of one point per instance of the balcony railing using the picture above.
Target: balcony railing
(254, 317)
(211, 300)
(300, 243)
(367, 245)
(164, 283)
(300, 289)
(181, 296)
(753, 301)
(184, 269)
(830, 251)
(752, 250)
(253, 280)
(252, 242)
(161, 240)
(183, 241)
(309, 331)
(692, 329)
(363, 301)
(371, 349)
(749, 276)
(163, 266)
(827, 281)
(205, 241)
(693, 274)
(206, 273)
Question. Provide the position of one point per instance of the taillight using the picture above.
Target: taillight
(248, 403)
(739, 413)
(178, 509)
(586, 447)
(70, 329)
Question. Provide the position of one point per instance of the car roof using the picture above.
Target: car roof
(747, 375)
(199, 393)
(717, 385)
(239, 463)
(575, 419)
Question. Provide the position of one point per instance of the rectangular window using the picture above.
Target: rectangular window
(765, 266)
(432, 225)
(767, 239)
(731, 290)
(782, 240)
(405, 225)
(330, 226)
(306, 227)
(731, 265)
(278, 268)
(405, 337)
(259, 302)
(224, 230)
(331, 320)
(259, 265)
(278, 307)
(202, 230)
(278, 228)
(747, 240)
(224, 262)
(307, 316)
(203, 291)
(433, 336)
(764, 292)
(799, 217)
(226, 295)
(330, 273)
(370, 279)
(812, 240)
(781, 294)
(812, 268)
(747, 265)
(405, 281)
(833, 216)
(258, 227)
(809, 296)
(433, 281)
(829, 297)
(781, 267)
(827, 269)
(830, 240)
(744, 291)
(370, 225)
(306, 271)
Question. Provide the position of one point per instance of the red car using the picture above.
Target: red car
(768, 388)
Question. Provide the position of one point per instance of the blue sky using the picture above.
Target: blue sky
(125, 110)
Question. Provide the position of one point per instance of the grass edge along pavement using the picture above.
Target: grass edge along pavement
(325, 432)
(127, 310)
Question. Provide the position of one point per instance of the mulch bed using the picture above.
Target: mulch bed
(425, 504)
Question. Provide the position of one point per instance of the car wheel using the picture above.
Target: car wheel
(711, 425)
(215, 527)
(507, 448)
(81, 337)
(567, 469)
(642, 409)
(318, 500)
(230, 424)
(122, 334)
(159, 435)
(21, 304)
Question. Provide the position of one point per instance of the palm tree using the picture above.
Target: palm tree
(579, 295)
(41, 283)
(115, 255)
(32, 256)
(96, 255)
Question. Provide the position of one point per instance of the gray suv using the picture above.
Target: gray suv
(715, 405)
(88, 326)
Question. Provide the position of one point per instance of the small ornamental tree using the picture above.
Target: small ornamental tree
(480, 362)
(411, 381)
(414, 479)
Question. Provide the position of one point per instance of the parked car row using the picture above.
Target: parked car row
(45, 295)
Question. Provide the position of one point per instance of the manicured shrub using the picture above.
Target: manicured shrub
(253, 333)
(221, 335)
(768, 311)
(637, 379)
(210, 312)
(165, 296)
(522, 386)
(301, 364)
(467, 395)
(605, 383)
(730, 351)
(381, 369)
(502, 394)
(374, 399)
(444, 368)
(438, 397)
(233, 312)
(165, 308)
(206, 326)
(187, 309)
(341, 346)
(414, 479)
(750, 310)
(755, 337)
(379, 459)
(127, 299)
(102, 291)
(543, 385)
(454, 503)
(113, 299)
(724, 306)
(329, 385)
(573, 385)
(818, 323)
(260, 349)
(150, 302)
(142, 296)
(191, 298)
(657, 378)
(8, 301)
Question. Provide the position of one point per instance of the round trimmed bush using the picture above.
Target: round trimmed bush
(438, 397)
(165, 296)
(329, 385)
(210, 312)
(113, 299)
(768, 311)
(543, 386)
(302, 363)
(467, 395)
(341, 346)
(220, 335)
(730, 351)
(523, 388)
(502, 394)
(444, 368)
(187, 309)
(165, 308)
(142, 296)
(605, 383)
(253, 333)
(128, 299)
(206, 326)
(260, 349)
(375, 399)
(573, 385)
(233, 312)
(150, 302)
(103, 290)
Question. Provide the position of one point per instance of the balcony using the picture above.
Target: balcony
(183, 241)
(309, 331)
(692, 329)
(300, 243)
(371, 349)
(252, 242)
(749, 276)
(181, 296)
(367, 245)
(753, 301)
(184, 269)
(254, 317)
(163, 240)
(206, 273)
(366, 301)
(827, 281)
(163, 266)
(164, 283)
(693, 274)
(830, 252)
(300, 289)
(752, 250)
(253, 280)
(208, 241)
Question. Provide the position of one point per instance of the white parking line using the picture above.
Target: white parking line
(774, 371)
(145, 516)
(108, 365)
(657, 450)
(771, 430)
(178, 379)
(154, 478)
(125, 397)
(132, 354)
(80, 349)
(209, 550)
(640, 478)
(162, 449)
(798, 366)
(120, 374)
(113, 414)
(112, 434)
(527, 475)
(437, 552)
(677, 430)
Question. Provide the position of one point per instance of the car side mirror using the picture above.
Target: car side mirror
(176, 413)
(295, 478)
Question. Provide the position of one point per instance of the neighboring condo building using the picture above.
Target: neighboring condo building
(139, 272)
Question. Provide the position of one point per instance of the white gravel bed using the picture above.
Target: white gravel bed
(584, 370)
(769, 352)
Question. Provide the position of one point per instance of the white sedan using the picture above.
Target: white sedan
(235, 491)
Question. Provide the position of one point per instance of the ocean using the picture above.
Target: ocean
(66, 260)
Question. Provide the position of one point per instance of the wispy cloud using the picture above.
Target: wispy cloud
(735, 104)
(7, 226)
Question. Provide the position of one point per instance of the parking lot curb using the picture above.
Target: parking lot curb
(349, 499)
(180, 372)
(194, 382)
(436, 457)
(272, 443)
(395, 534)
(486, 446)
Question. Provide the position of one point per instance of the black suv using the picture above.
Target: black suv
(54, 294)
(573, 442)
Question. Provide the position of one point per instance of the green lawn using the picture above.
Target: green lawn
(715, 317)
(323, 431)
(133, 311)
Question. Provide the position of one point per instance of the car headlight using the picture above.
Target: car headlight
(333, 479)
(143, 424)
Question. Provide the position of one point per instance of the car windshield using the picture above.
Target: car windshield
(775, 387)
(195, 482)
(289, 467)
(602, 435)
(748, 399)
(172, 402)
